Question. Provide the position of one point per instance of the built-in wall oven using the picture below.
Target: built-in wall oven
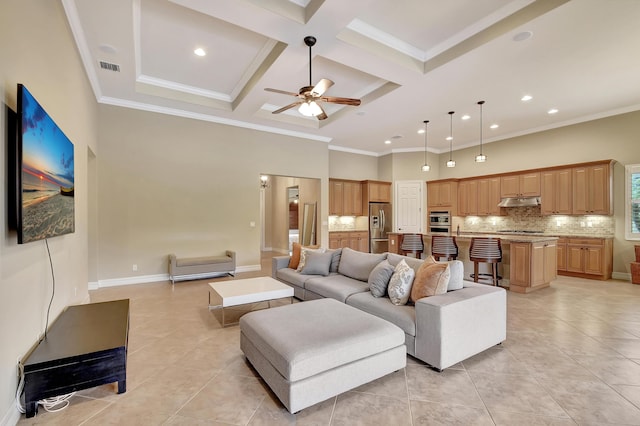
(440, 222)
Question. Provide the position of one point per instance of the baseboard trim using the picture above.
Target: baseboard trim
(621, 276)
(142, 279)
(11, 417)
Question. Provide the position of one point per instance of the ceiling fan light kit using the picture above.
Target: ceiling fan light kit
(310, 96)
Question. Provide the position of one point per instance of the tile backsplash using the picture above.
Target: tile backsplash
(530, 219)
(348, 223)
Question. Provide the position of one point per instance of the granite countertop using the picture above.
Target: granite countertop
(512, 238)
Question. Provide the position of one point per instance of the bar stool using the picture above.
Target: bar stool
(412, 243)
(486, 250)
(444, 246)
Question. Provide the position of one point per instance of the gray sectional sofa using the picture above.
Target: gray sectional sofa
(440, 330)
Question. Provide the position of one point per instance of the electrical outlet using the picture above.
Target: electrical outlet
(135, 267)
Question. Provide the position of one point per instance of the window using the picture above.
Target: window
(632, 217)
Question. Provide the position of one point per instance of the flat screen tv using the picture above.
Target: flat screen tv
(44, 174)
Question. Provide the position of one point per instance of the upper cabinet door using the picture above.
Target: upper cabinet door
(592, 189)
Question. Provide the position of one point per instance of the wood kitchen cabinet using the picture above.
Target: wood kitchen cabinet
(394, 243)
(359, 241)
(562, 254)
(375, 192)
(468, 198)
(556, 192)
(592, 189)
(521, 185)
(356, 240)
(443, 194)
(345, 198)
(589, 258)
(532, 265)
(488, 197)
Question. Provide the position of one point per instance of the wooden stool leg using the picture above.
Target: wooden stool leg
(494, 269)
(475, 272)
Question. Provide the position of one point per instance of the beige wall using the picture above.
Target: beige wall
(616, 138)
(169, 184)
(37, 49)
(346, 165)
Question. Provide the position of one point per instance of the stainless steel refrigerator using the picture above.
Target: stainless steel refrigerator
(379, 227)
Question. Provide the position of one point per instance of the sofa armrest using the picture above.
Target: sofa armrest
(459, 324)
(279, 262)
(232, 255)
(172, 263)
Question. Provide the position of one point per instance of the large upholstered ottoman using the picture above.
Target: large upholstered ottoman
(311, 351)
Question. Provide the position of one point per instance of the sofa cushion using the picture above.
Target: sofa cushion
(335, 286)
(431, 279)
(400, 283)
(358, 265)
(415, 264)
(403, 316)
(379, 278)
(317, 263)
(293, 277)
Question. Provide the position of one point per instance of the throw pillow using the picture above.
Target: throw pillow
(400, 283)
(335, 259)
(295, 255)
(317, 263)
(379, 278)
(457, 275)
(431, 279)
(303, 256)
(358, 265)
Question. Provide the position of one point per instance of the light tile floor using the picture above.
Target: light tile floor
(572, 356)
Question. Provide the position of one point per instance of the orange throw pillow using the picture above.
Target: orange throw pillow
(431, 279)
(295, 254)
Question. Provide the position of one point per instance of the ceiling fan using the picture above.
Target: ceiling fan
(310, 97)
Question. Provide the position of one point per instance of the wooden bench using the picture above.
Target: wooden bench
(193, 268)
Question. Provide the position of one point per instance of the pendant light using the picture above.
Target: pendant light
(451, 163)
(481, 158)
(425, 167)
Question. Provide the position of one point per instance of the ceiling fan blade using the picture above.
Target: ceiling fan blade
(322, 116)
(343, 101)
(321, 87)
(283, 92)
(284, 108)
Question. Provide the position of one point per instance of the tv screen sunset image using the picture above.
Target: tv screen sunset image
(47, 175)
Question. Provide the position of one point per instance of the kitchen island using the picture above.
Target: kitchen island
(529, 262)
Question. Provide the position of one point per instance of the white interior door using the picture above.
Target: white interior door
(409, 202)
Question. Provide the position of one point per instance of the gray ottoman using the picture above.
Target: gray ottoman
(311, 351)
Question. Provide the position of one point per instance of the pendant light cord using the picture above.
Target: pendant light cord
(451, 133)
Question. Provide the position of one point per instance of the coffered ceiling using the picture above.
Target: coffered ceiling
(407, 60)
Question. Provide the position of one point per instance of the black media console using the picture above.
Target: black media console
(85, 347)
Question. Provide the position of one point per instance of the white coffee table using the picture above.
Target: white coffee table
(249, 290)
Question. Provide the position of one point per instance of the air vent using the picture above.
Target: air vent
(109, 67)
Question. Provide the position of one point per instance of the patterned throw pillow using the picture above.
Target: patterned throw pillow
(294, 261)
(303, 256)
(400, 283)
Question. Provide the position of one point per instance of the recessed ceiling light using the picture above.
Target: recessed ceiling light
(200, 51)
(396, 137)
(449, 138)
(552, 111)
(526, 98)
(421, 131)
(494, 126)
(465, 117)
(522, 36)
(387, 142)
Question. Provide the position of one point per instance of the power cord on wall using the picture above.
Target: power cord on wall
(56, 403)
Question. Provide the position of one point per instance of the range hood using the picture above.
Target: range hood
(519, 202)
